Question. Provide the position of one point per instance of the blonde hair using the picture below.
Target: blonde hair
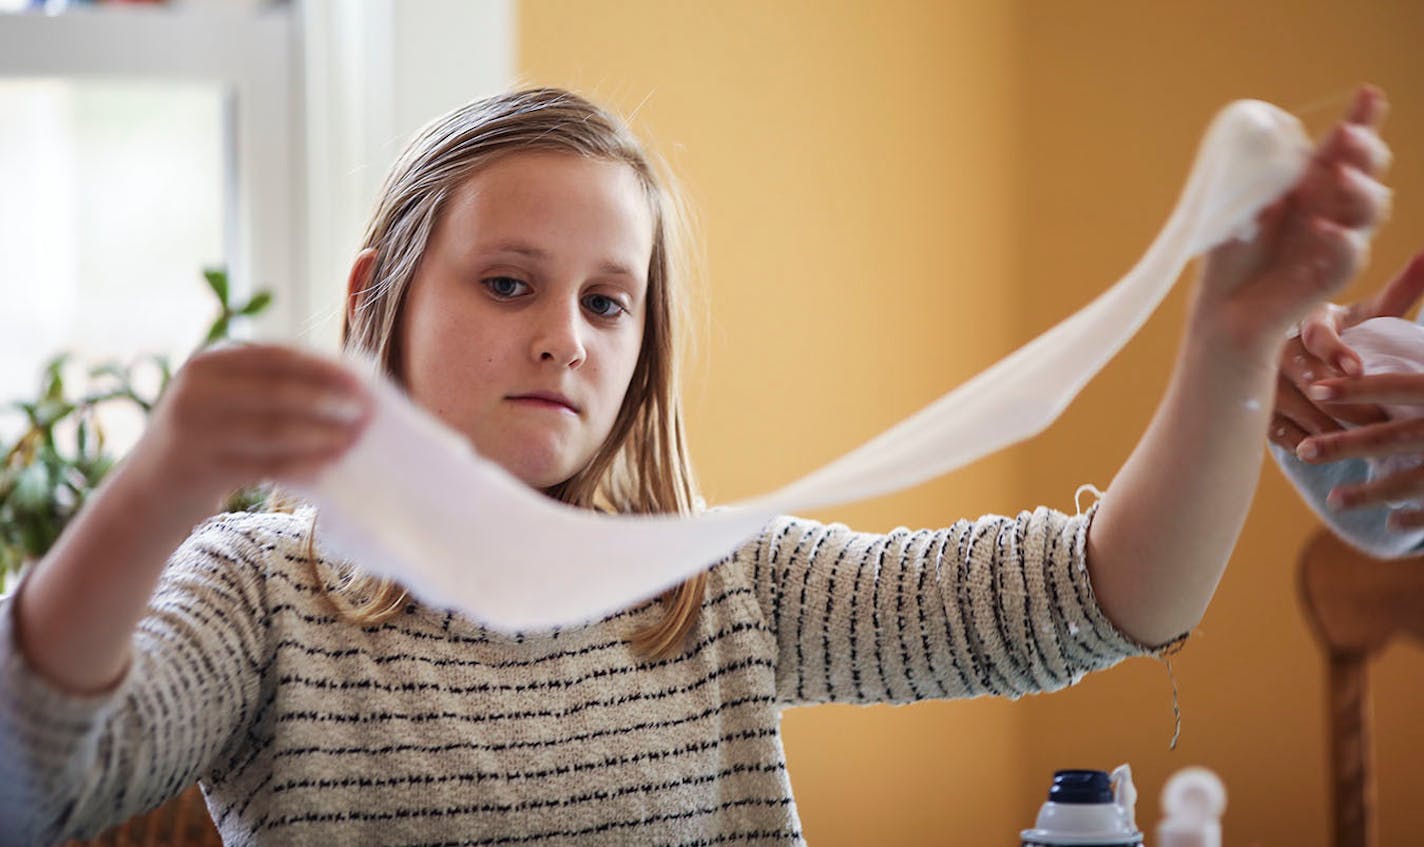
(643, 466)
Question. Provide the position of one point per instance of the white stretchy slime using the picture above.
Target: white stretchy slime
(412, 501)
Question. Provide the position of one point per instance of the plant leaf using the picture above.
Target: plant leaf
(139, 401)
(217, 280)
(218, 330)
(32, 489)
(9, 557)
(260, 301)
(36, 536)
(97, 468)
(54, 378)
(52, 410)
(103, 397)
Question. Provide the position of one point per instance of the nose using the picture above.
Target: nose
(558, 336)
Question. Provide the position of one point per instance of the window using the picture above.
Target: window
(113, 205)
(139, 145)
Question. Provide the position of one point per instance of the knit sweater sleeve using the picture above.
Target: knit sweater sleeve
(70, 766)
(1000, 605)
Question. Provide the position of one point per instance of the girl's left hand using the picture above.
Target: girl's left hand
(1307, 245)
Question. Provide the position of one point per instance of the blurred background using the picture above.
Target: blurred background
(892, 195)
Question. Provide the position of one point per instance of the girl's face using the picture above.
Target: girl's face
(522, 325)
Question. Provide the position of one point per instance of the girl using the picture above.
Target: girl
(519, 280)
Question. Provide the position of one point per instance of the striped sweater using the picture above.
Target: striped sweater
(429, 729)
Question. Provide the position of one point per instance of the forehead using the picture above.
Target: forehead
(575, 210)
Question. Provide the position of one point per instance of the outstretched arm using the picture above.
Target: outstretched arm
(1172, 515)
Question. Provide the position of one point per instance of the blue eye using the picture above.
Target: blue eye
(504, 287)
(603, 306)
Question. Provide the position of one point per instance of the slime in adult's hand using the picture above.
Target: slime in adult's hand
(412, 501)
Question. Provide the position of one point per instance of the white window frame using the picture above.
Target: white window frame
(322, 95)
(251, 54)
(375, 72)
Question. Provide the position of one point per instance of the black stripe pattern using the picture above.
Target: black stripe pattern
(429, 729)
(1000, 605)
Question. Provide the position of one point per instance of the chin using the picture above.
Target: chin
(540, 475)
(540, 463)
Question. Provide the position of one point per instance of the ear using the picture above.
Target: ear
(358, 280)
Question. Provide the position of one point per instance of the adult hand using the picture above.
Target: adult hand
(1316, 359)
(1401, 437)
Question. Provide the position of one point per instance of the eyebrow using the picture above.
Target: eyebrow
(523, 248)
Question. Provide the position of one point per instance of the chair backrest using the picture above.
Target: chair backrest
(181, 822)
(1356, 604)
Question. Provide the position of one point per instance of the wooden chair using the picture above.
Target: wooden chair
(181, 822)
(1356, 604)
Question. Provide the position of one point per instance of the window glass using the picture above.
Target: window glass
(113, 204)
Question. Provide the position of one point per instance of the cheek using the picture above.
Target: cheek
(623, 363)
(443, 369)
(613, 374)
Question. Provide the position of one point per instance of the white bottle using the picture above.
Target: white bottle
(1193, 800)
(1087, 809)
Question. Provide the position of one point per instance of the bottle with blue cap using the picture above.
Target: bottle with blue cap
(1087, 808)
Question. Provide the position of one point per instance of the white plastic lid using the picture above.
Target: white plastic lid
(1193, 800)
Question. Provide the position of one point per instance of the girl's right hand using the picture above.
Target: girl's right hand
(239, 415)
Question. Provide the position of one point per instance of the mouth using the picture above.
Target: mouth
(546, 399)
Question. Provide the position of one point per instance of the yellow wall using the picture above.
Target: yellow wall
(1114, 96)
(893, 196)
(852, 168)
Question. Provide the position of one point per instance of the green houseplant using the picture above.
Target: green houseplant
(61, 457)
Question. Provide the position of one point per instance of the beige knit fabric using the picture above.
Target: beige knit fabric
(431, 730)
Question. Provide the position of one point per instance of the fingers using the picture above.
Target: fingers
(1395, 488)
(277, 435)
(1402, 293)
(1344, 194)
(277, 448)
(1357, 146)
(280, 447)
(1395, 389)
(1389, 438)
(1321, 256)
(1304, 362)
(1368, 107)
(1284, 432)
(304, 468)
(1339, 185)
(255, 380)
(1323, 238)
(1301, 366)
(1297, 414)
(1355, 140)
(248, 413)
(292, 395)
(1320, 341)
(1402, 519)
(270, 360)
(1307, 374)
